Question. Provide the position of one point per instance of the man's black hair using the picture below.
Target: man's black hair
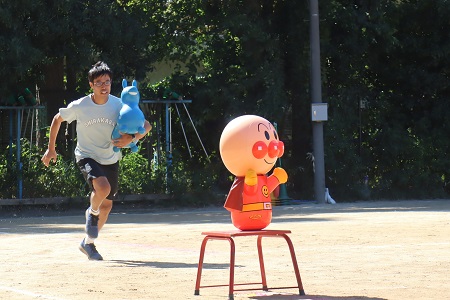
(99, 69)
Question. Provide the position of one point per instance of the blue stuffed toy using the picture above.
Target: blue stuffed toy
(131, 118)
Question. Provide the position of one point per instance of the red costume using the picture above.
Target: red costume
(250, 205)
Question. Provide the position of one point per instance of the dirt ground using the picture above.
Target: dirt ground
(363, 250)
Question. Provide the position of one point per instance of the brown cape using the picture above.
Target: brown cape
(234, 198)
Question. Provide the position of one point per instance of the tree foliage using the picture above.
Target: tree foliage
(392, 58)
(385, 75)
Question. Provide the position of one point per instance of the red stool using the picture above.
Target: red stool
(229, 235)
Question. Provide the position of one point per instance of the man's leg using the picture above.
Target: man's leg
(112, 174)
(87, 246)
(101, 189)
(103, 180)
(105, 209)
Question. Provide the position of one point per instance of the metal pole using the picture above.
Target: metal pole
(283, 197)
(316, 94)
(19, 163)
(184, 132)
(168, 148)
(11, 129)
(196, 132)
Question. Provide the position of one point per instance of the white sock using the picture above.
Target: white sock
(94, 212)
(88, 240)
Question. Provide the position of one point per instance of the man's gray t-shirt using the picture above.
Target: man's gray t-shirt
(95, 124)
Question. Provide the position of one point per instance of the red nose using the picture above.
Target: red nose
(275, 149)
(280, 149)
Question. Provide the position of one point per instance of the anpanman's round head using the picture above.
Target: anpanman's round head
(250, 142)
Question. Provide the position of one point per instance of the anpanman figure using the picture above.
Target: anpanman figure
(249, 148)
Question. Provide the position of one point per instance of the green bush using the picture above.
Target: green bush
(64, 179)
(138, 175)
(192, 182)
(61, 179)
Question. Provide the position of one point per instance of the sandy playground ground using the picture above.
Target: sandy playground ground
(363, 250)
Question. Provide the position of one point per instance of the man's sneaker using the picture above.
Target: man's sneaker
(91, 225)
(90, 251)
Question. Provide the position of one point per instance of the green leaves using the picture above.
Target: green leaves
(60, 179)
(237, 57)
(394, 64)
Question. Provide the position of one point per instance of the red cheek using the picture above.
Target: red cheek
(259, 150)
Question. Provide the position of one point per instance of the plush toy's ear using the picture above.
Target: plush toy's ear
(134, 83)
(124, 83)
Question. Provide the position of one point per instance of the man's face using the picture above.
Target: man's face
(101, 86)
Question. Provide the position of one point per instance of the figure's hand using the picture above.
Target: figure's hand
(280, 174)
(48, 156)
(251, 178)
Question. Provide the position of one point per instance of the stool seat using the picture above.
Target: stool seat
(229, 236)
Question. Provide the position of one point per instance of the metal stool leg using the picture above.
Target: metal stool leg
(261, 264)
(232, 264)
(232, 261)
(200, 266)
(294, 262)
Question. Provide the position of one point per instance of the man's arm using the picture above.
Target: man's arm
(126, 139)
(147, 127)
(50, 153)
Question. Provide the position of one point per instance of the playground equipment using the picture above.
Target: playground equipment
(169, 104)
(32, 111)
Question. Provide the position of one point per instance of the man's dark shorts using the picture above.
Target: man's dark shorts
(92, 169)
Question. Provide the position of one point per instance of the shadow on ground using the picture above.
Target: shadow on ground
(306, 297)
(163, 264)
